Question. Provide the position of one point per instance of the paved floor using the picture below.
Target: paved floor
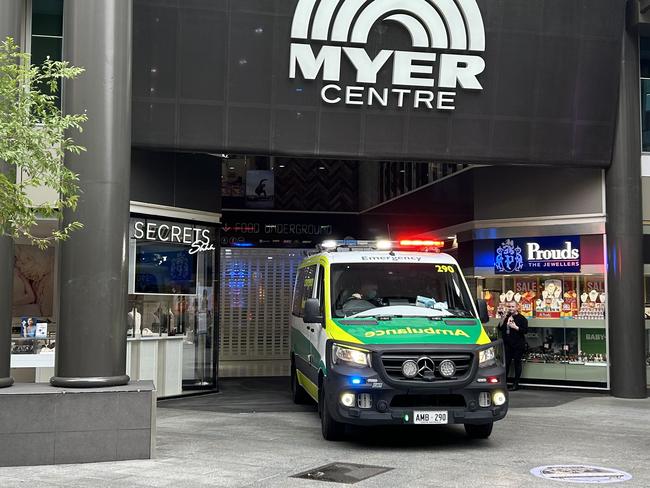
(250, 435)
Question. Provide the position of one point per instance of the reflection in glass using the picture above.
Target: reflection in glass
(645, 114)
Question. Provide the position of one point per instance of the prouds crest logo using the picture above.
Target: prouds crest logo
(323, 30)
(509, 258)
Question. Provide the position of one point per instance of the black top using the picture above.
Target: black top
(512, 337)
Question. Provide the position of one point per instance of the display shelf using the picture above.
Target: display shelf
(47, 339)
(562, 371)
(32, 360)
(157, 358)
(561, 323)
(156, 338)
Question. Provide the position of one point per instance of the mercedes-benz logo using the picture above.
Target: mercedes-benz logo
(426, 367)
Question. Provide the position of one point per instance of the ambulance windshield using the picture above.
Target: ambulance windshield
(399, 289)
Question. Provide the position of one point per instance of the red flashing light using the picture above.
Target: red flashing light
(493, 379)
(421, 243)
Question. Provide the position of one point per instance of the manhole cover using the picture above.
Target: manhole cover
(579, 473)
(342, 473)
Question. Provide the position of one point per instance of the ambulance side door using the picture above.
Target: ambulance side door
(319, 335)
(302, 331)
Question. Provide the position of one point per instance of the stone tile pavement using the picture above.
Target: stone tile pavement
(258, 444)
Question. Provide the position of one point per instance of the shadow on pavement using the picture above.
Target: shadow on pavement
(243, 395)
(272, 394)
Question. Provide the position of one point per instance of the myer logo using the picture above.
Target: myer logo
(535, 253)
(434, 26)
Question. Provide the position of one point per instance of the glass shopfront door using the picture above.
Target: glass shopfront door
(171, 322)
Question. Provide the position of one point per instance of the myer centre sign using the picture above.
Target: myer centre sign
(330, 36)
(537, 255)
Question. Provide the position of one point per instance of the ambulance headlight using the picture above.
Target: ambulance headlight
(348, 399)
(351, 357)
(499, 398)
(487, 357)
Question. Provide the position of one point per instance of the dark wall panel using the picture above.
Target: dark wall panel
(213, 75)
(507, 193)
(325, 186)
(185, 180)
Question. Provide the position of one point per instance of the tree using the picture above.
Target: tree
(33, 141)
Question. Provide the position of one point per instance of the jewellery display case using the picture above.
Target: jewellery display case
(566, 339)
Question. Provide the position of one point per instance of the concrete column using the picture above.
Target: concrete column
(91, 336)
(11, 19)
(625, 237)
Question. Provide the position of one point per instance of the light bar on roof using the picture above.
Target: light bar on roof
(421, 243)
(384, 245)
(380, 245)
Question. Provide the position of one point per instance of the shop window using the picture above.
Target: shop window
(47, 17)
(33, 321)
(644, 54)
(47, 34)
(567, 338)
(645, 114)
(172, 300)
(647, 325)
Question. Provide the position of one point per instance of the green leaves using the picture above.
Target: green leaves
(34, 137)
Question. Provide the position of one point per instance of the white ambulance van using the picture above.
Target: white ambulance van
(388, 333)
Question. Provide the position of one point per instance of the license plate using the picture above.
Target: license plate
(433, 417)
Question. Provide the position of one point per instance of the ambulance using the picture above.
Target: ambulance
(387, 333)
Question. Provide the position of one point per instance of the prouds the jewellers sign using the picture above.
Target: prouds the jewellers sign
(537, 255)
(197, 238)
(330, 36)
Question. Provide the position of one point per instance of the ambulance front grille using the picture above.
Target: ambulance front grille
(393, 361)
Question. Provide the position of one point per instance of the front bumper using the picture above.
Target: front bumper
(394, 402)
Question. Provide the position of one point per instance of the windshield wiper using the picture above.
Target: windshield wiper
(460, 312)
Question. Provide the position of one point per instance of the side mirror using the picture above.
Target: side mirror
(312, 312)
(482, 311)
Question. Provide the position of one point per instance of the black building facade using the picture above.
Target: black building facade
(321, 94)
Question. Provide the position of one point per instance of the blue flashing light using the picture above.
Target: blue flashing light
(356, 381)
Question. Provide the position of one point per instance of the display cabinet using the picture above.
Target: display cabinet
(567, 336)
(37, 351)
